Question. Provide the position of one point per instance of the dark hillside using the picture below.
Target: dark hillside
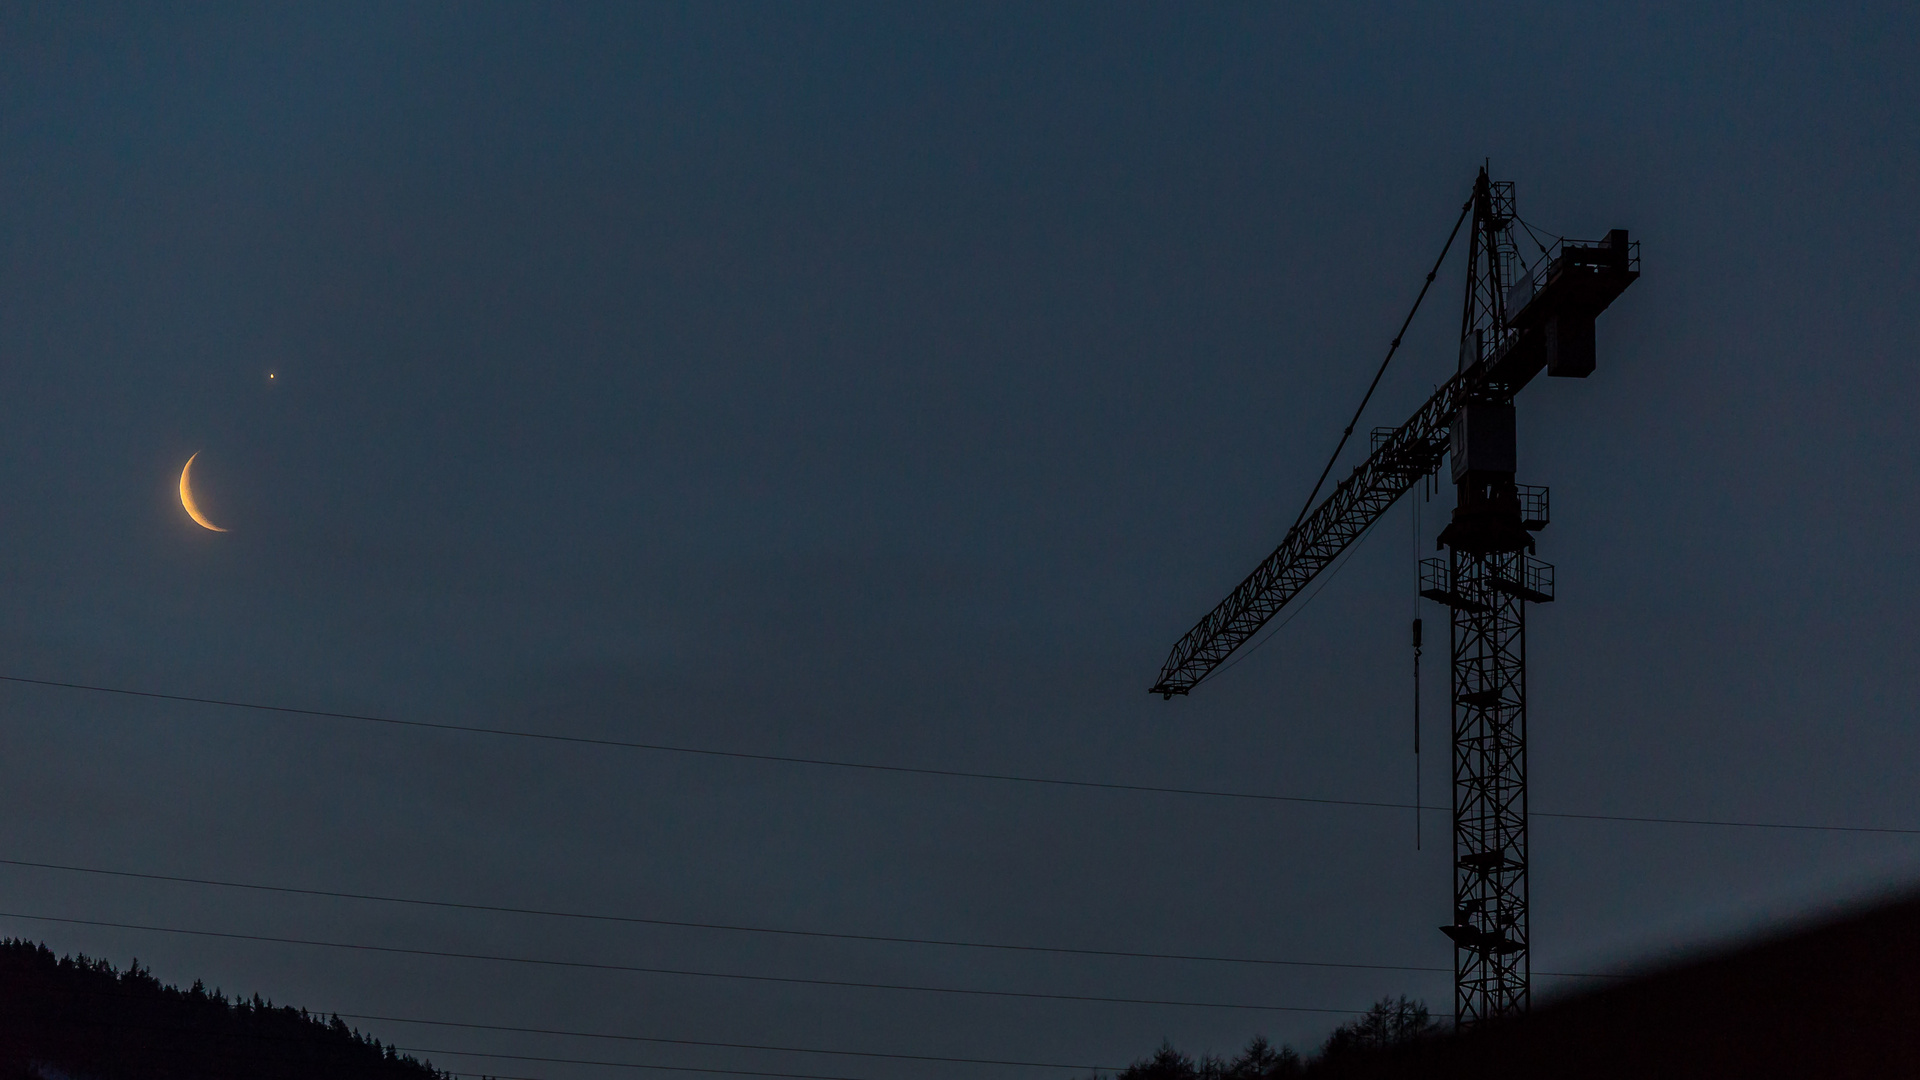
(1834, 998)
(80, 1018)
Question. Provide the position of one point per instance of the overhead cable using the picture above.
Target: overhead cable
(613, 1064)
(686, 924)
(961, 774)
(687, 972)
(724, 1045)
(511, 1029)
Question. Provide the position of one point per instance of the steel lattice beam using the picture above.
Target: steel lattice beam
(1412, 452)
(1489, 929)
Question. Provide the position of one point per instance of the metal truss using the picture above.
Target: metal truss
(1489, 931)
(1495, 362)
(1399, 460)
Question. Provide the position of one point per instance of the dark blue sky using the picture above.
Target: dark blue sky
(897, 385)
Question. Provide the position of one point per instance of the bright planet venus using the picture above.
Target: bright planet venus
(186, 497)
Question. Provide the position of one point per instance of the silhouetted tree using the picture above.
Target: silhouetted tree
(1165, 1064)
(1259, 1061)
(1388, 1023)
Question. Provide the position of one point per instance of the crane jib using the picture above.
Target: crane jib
(1542, 323)
(1550, 328)
(1412, 452)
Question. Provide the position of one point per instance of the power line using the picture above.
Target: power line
(501, 1076)
(637, 969)
(961, 774)
(1723, 823)
(320, 1014)
(618, 1064)
(505, 1077)
(723, 1045)
(740, 928)
(582, 740)
(731, 927)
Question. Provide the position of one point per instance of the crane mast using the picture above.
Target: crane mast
(1518, 318)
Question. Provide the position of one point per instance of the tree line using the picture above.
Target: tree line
(1390, 1023)
(76, 1016)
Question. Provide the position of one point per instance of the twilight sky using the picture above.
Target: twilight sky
(895, 385)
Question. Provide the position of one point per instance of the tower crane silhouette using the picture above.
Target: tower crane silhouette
(1519, 316)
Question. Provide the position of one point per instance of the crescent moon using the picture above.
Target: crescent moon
(186, 498)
